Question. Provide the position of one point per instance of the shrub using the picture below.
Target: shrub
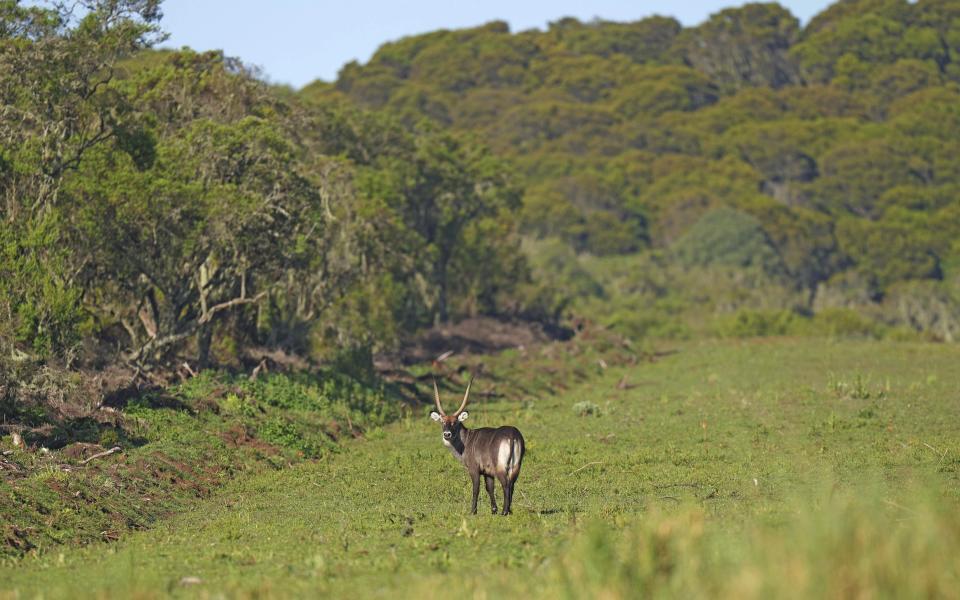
(842, 322)
(756, 323)
(586, 409)
(727, 237)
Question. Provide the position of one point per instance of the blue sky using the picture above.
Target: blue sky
(298, 41)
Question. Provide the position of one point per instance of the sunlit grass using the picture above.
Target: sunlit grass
(755, 469)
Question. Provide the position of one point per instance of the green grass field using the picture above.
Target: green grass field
(767, 468)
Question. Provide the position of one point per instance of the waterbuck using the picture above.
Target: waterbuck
(485, 451)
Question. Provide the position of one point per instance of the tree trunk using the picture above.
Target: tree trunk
(442, 315)
(204, 340)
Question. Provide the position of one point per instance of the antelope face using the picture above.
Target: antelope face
(449, 425)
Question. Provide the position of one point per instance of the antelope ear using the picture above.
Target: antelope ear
(435, 416)
(463, 416)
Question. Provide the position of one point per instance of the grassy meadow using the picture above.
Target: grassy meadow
(757, 468)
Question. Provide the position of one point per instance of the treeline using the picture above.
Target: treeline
(747, 168)
(739, 177)
(160, 206)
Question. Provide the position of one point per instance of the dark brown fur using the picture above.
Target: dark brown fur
(482, 452)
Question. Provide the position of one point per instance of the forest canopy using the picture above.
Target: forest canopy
(832, 143)
(722, 179)
(163, 204)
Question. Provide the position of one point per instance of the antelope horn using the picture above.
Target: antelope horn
(436, 398)
(465, 396)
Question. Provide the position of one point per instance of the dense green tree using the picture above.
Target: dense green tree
(57, 106)
(745, 46)
(662, 89)
(851, 47)
(210, 222)
(856, 173)
(805, 240)
(728, 237)
(647, 41)
(446, 188)
(939, 40)
(897, 247)
(851, 120)
(170, 204)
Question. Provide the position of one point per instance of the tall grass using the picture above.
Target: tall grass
(847, 547)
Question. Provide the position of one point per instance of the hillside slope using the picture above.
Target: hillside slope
(820, 158)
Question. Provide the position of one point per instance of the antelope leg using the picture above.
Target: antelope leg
(491, 491)
(476, 491)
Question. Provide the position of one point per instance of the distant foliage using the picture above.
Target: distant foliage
(730, 238)
(745, 46)
(161, 206)
(837, 139)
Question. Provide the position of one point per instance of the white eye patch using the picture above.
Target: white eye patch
(463, 416)
(435, 416)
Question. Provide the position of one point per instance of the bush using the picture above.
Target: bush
(305, 413)
(49, 405)
(586, 409)
(756, 323)
(924, 306)
(659, 319)
(288, 434)
(727, 237)
(841, 322)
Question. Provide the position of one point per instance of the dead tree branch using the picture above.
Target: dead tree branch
(101, 454)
